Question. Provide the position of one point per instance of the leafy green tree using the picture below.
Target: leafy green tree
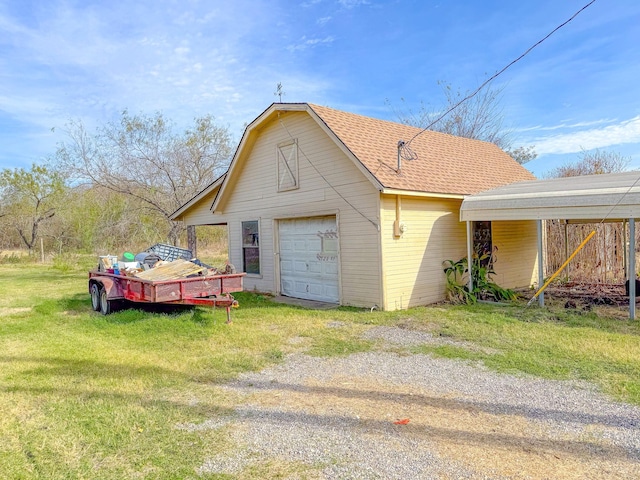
(29, 198)
(143, 158)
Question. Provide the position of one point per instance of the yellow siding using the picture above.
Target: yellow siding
(517, 254)
(200, 213)
(329, 184)
(412, 263)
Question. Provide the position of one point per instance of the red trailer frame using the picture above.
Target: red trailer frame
(214, 291)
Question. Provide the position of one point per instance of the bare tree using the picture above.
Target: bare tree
(29, 198)
(592, 163)
(601, 260)
(481, 117)
(142, 157)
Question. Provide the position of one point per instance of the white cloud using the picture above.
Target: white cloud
(627, 131)
(564, 125)
(323, 20)
(310, 43)
(352, 3)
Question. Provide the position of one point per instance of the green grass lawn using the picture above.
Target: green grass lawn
(88, 396)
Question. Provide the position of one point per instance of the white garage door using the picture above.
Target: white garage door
(309, 258)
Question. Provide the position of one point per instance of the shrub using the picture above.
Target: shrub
(484, 288)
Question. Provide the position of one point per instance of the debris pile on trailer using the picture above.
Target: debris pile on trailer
(162, 274)
(161, 262)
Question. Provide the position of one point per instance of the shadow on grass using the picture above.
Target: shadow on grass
(78, 303)
(125, 312)
(47, 367)
(130, 312)
(91, 379)
(553, 314)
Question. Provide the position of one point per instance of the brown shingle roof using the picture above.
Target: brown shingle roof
(445, 164)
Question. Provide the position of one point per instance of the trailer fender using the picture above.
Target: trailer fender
(113, 288)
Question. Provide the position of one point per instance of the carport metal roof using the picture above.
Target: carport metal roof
(595, 198)
(588, 197)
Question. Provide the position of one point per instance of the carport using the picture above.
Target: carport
(587, 199)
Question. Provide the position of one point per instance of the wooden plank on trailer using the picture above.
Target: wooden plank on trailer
(177, 269)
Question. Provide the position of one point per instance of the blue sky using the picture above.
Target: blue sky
(90, 60)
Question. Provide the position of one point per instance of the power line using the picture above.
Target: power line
(497, 74)
(325, 179)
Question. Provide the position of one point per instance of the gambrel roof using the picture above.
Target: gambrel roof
(442, 164)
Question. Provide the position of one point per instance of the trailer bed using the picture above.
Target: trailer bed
(106, 288)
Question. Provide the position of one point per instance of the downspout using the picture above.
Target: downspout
(397, 229)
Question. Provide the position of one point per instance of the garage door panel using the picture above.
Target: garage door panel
(330, 268)
(301, 289)
(309, 258)
(331, 291)
(286, 266)
(300, 267)
(316, 268)
(314, 244)
(286, 245)
(300, 245)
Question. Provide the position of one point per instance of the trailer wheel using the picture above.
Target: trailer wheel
(105, 303)
(95, 296)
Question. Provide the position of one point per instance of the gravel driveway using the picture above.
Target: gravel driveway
(335, 418)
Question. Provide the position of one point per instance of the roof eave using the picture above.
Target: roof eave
(265, 116)
(356, 161)
(175, 216)
(415, 193)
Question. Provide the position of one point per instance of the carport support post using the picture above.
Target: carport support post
(632, 268)
(540, 264)
(469, 254)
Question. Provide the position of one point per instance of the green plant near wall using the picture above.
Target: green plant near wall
(457, 274)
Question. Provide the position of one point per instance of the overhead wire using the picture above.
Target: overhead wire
(584, 242)
(497, 74)
(325, 178)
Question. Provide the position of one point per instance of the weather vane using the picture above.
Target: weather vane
(279, 92)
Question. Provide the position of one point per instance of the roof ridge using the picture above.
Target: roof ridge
(418, 130)
(443, 163)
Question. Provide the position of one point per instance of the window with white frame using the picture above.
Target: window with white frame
(251, 247)
(287, 153)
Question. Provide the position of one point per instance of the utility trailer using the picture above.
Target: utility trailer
(108, 289)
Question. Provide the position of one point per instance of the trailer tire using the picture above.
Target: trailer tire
(105, 303)
(94, 289)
